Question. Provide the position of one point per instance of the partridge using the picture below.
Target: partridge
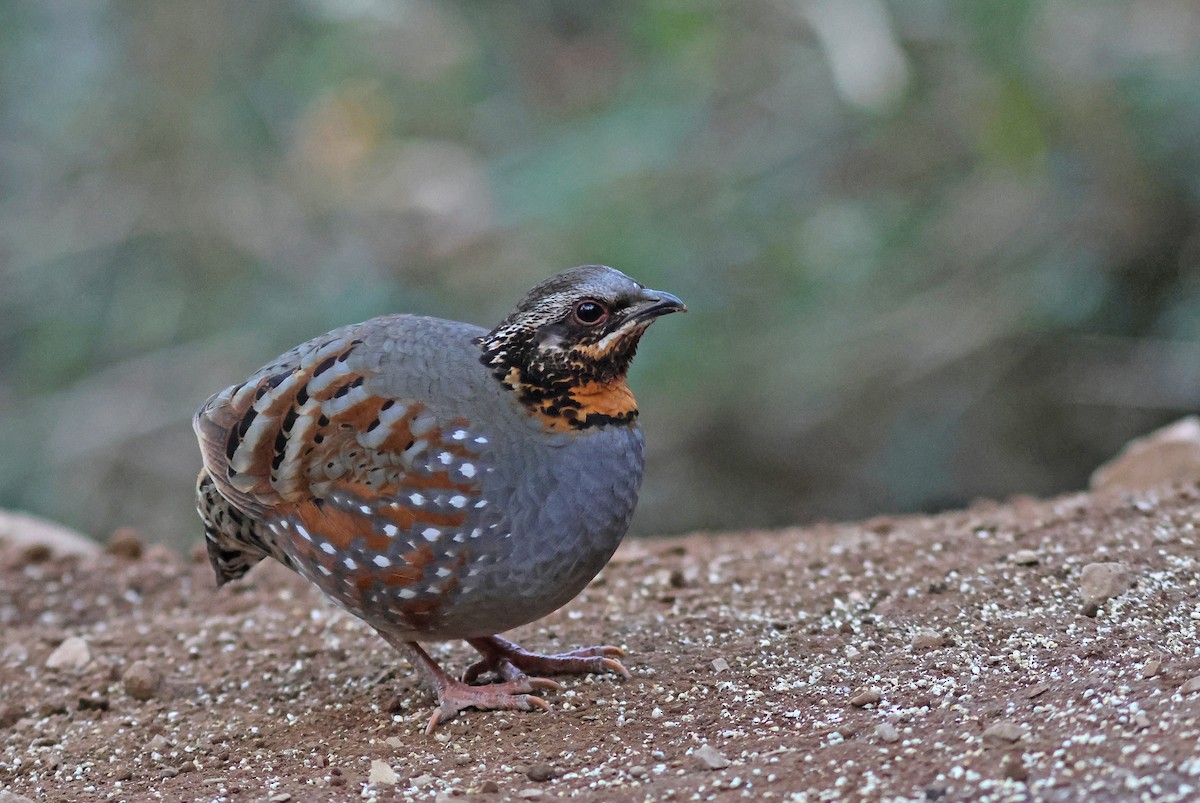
(441, 481)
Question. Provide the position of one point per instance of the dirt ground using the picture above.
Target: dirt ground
(965, 656)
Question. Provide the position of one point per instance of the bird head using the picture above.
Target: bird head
(566, 347)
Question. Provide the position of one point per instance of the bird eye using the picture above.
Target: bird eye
(590, 312)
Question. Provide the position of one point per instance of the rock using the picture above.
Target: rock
(707, 757)
(928, 640)
(158, 744)
(125, 543)
(10, 714)
(541, 772)
(23, 530)
(1151, 668)
(865, 697)
(720, 665)
(72, 655)
(141, 680)
(887, 732)
(1024, 557)
(422, 781)
(381, 772)
(489, 787)
(93, 703)
(1190, 686)
(1014, 769)
(1005, 731)
(530, 794)
(1165, 457)
(1100, 582)
(33, 554)
(12, 797)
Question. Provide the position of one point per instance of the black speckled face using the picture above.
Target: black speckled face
(568, 344)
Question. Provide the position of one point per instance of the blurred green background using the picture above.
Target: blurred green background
(933, 250)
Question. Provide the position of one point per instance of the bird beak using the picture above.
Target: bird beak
(654, 303)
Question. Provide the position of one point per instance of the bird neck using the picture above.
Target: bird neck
(564, 390)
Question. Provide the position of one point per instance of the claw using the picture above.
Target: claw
(546, 683)
(510, 661)
(459, 696)
(518, 670)
(616, 667)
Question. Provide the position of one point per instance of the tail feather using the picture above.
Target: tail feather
(234, 545)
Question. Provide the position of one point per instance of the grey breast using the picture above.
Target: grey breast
(550, 507)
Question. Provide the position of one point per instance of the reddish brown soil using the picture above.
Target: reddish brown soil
(968, 630)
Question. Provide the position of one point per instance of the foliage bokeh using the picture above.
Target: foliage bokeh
(933, 250)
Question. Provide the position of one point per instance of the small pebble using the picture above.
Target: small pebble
(541, 772)
(422, 781)
(158, 744)
(489, 787)
(1190, 686)
(35, 553)
(280, 797)
(125, 543)
(886, 732)
(10, 715)
(141, 680)
(529, 794)
(1024, 557)
(706, 757)
(1003, 732)
(928, 640)
(1151, 668)
(72, 655)
(12, 797)
(381, 772)
(89, 703)
(865, 696)
(720, 665)
(1100, 582)
(1014, 769)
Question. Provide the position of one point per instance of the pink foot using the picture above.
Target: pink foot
(516, 695)
(454, 696)
(512, 663)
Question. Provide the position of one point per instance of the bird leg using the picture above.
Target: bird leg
(511, 662)
(454, 695)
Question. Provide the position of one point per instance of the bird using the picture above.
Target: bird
(441, 481)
